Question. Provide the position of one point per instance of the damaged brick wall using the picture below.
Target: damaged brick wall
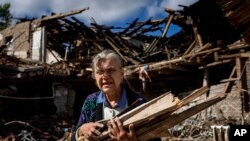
(16, 40)
(247, 91)
(229, 108)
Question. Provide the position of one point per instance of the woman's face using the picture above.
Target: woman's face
(109, 76)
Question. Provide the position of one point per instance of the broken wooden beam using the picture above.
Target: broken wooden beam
(245, 55)
(190, 48)
(229, 80)
(170, 18)
(238, 72)
(61, 15)
(116, 48)
(197, 36)
(165, 123)
(163, 105)
(215, 63)
(129, 27)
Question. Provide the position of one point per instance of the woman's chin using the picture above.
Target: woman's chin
(108, 89)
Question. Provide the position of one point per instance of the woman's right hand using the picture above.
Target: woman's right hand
(90, 130)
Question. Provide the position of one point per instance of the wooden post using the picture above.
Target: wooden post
(239, 85)
(238, 73)
(216, 56)
(190, 48)
(171, 16)
(205, 84)
(197, 36)
(206, 77)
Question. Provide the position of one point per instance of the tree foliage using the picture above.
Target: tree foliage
(5, 16)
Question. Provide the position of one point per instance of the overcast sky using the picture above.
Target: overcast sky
(103, 11)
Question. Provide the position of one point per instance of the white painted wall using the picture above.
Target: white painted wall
(39, 43)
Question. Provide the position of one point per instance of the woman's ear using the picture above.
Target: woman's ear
(93, 75)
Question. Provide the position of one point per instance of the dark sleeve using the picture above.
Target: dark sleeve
(83, 116)
(87, 113)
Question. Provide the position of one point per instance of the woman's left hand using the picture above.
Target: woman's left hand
(119, 133)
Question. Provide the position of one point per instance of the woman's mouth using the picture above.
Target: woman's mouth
(106, 83)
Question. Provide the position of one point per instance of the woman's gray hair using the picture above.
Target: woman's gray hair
(105, 54)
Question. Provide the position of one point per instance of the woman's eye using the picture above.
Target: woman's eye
(111, 70)
(108, 71)
(99, 72)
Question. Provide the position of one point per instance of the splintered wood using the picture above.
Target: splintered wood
(161, 105)
(153, 118)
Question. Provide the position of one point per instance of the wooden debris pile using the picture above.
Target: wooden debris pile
(214, 37)
(204, 39)
(207, 46)
(35, 128)
(238, 13)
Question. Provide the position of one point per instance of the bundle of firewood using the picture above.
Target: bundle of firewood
(153, 118)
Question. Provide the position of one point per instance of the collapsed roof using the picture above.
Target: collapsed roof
(60, 45)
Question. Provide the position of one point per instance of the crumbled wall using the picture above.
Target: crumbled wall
(64, 97)
(229, 108)
(17, 40)
(248, 79)
(247, 92)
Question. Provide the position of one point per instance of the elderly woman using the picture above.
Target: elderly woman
(112, 98)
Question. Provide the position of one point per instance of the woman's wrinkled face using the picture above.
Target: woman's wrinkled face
(109, 76)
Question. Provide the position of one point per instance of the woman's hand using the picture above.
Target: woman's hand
(90, 130)
(119, 133)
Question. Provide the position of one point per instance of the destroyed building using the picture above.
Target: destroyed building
(46, 62)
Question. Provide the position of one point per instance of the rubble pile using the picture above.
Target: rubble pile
(50, 57)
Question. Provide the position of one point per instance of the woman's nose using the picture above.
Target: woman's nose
(105, 74)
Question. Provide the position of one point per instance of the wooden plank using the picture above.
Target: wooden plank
(197, 36)
(196, 93)
(162, 105)
(206, 83)
(61, 15)
(246, 54)
(172, 67)
(206, 78)
(238, 72)
(138, 109)
(229, 80)
(151, 47)
(131, 33)
(206, 46)
(112, 44)
(229, 47)
(170, 18)
(164, 63)
(190, 48)
(130, 26)
(238, 46)
(164, 123)
(132, 60)
(135, 69)
(215, 63)
(190, 56)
